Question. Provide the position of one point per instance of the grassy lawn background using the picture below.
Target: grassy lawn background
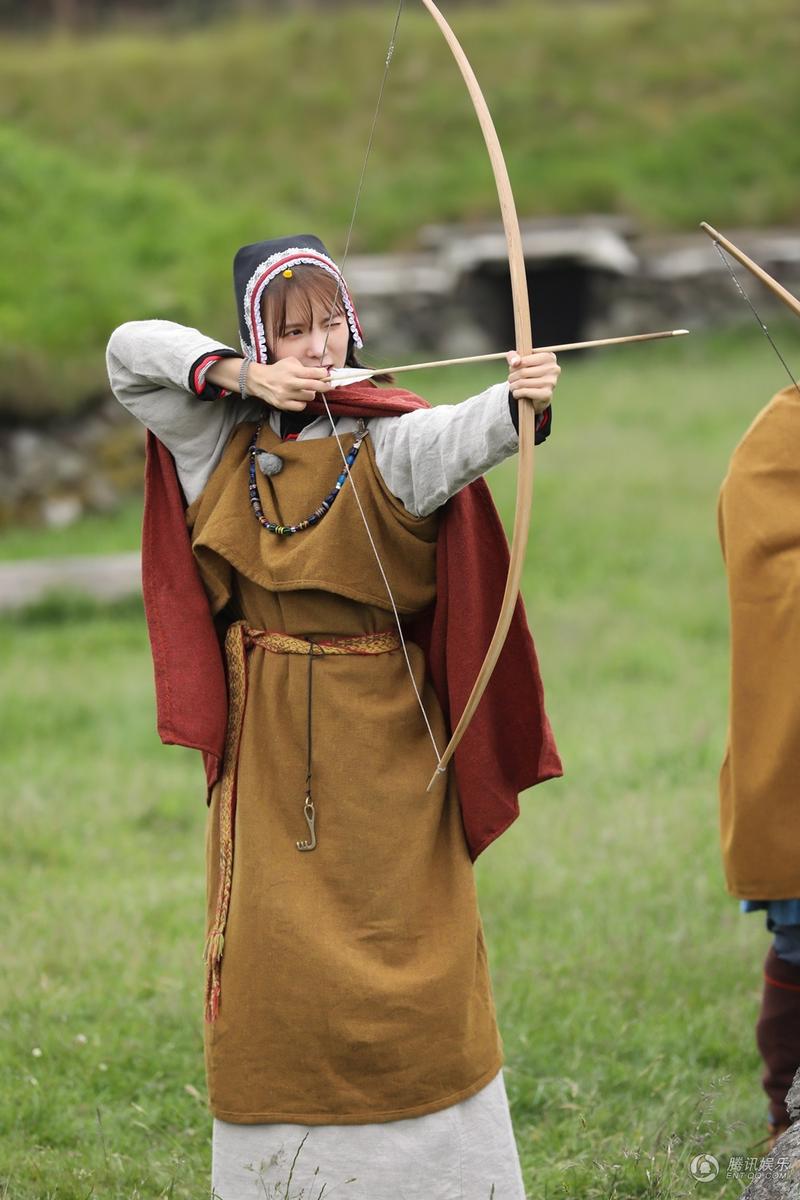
(627, 982)
(134, 163)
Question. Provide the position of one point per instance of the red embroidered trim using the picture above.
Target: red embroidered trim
(289, 258)
(202, 366)
(790, 987)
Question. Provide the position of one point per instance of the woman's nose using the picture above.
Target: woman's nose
(316, 343)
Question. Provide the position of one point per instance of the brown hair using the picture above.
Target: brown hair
(312, 288)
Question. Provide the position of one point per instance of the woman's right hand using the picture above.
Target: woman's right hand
(286, 384)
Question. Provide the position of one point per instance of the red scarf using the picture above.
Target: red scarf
(509, 745)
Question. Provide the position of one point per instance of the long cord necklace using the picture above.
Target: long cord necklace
(321, 510)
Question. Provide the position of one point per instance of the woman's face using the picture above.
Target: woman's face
(307, 328)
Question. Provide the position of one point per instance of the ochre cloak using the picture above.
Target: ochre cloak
(759, 527)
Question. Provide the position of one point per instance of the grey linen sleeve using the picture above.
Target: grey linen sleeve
(150, 365)
(426, 456)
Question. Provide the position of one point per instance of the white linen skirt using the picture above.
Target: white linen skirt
(464, 1152)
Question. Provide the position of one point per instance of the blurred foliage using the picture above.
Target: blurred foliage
(80, 15)
(132, 164)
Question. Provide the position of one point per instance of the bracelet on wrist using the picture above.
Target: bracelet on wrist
(243, 378)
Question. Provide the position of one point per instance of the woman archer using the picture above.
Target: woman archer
(348, 1002)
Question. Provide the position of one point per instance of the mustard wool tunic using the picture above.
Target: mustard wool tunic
(354, 980)
(759, 528)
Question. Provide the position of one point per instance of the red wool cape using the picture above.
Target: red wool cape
(509, 745)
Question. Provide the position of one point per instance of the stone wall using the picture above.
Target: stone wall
(52, 474)
(588, 277)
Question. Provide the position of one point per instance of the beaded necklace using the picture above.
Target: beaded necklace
(318, 513)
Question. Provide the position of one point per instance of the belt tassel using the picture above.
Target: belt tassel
(236, 658)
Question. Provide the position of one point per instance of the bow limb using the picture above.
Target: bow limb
(527, 416)
(720, 244)
(776, 288)
(522, 520)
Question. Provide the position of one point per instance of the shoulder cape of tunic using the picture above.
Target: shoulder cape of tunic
(509, 745)
(759, 527)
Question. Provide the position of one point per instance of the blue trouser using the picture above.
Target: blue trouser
(786, 941)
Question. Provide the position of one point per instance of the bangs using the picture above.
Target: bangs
(308, 291)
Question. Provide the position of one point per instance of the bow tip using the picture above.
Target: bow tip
(440, 770)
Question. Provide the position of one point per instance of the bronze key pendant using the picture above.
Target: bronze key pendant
(308, 810)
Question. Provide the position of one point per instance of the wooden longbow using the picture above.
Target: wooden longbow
(523, 346)
(527, 418)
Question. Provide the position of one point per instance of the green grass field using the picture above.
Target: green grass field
(626, 980)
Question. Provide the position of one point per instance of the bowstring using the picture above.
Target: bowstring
(755, 313)
(387, 64)
(389, 56)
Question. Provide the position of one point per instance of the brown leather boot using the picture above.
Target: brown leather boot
(778, 1037)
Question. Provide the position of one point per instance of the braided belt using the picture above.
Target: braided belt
(362, 643)
(239, 641)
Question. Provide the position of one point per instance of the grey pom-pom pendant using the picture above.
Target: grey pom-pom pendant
(269, 464)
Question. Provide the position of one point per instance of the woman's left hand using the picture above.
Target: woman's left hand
(533, 377)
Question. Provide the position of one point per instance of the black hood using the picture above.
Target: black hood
(256, 265)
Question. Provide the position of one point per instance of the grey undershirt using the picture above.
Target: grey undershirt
(424, 456)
